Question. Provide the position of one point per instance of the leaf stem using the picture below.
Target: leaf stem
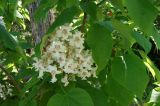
(84, 22)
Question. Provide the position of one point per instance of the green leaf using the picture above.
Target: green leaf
(91, 9)
(126, 32)
(43, 8)
(26, 2)
(112, 102)
(117, 3)
(100, 41)
(10, 42)
(32, 82)
(9, 102)
(66, 16)
(12, 57)
(150, 65)
(131, 36)
(102, 77)
(116, 91)
(29, 100)
(32, 103)
(129, 77)
(46, 93)
(70, 3)
(144, 42)
(155, 37)
(11, 9)
(143, 13)
(61, 5)
(7, 39)
(98, 96)
(25, 45)
(57, 100)
(38, 48)
(133, 78)
(75, 97)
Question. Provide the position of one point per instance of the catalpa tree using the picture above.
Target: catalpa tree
(79, 52)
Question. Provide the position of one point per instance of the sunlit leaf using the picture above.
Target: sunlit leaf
(100, 41)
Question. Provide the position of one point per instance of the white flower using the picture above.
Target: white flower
(93, 72)
(84, 74)
(54, 79)
(77, 41)
(5, 90)
(51, 68)
(65, 80)
(65, 54)
(41, 72)
(64, 32)
(58, 46)
(45, 60)
(70, 66)
(56, 55)
(38, 65)
(68, 69)
(62, 61)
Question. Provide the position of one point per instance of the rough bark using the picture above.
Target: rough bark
(39, 28)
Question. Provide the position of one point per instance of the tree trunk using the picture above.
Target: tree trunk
(39, 28)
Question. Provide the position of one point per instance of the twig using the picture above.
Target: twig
(13, 81)
(84, 22)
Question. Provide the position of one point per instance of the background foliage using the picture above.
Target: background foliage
(123, 36)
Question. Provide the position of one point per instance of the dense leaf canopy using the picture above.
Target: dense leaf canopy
(79, 52)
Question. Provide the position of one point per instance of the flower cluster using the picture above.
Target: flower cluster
(64, 54)
(5, 90)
